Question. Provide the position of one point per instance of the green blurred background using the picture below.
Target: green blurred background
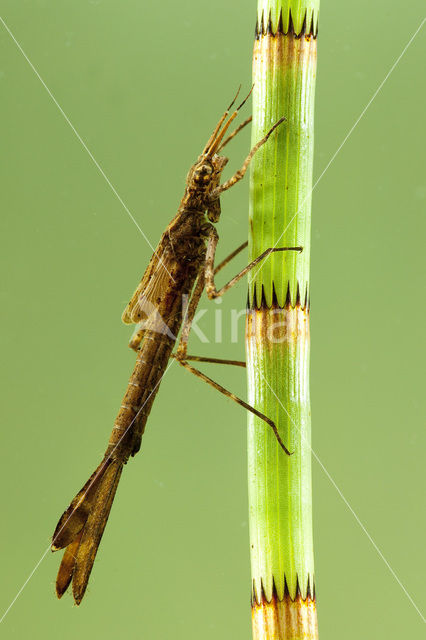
(143, 83)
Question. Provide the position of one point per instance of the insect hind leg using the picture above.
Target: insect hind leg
(236, 399)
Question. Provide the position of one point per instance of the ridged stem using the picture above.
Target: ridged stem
(280, 495)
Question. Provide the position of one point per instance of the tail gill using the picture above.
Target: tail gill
(80, 528)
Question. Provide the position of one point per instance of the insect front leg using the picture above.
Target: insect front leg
(234, 133)
(239, 175)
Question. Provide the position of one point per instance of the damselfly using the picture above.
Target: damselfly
(181, 268)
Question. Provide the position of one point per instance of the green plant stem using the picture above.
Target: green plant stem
(284, 67)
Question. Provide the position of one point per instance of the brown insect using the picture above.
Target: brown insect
(181, 268)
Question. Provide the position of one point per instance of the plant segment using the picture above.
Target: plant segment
(280, 500)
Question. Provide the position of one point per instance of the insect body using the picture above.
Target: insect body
(182, 266)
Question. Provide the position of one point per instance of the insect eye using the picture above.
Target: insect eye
(203, 173)
(207, 172)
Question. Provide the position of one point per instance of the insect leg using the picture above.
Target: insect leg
(228, 259)
(230, 395)
(234, 133)
(191, 309)
(189, 316)
(209, 271)
(181, 353)
(239, 175)
(236, 363)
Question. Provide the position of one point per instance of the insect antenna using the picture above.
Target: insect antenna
(221, 121)
(216, 141)
(234, 133)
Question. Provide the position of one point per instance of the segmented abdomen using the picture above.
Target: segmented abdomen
(151, 364)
